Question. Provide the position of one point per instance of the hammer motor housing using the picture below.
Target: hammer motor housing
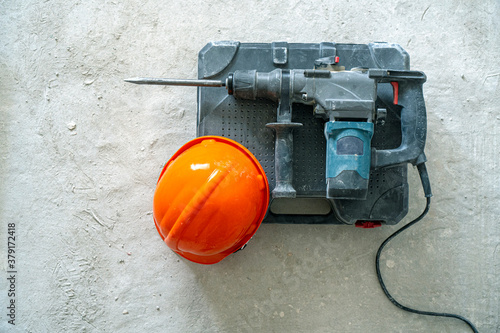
(333, 125)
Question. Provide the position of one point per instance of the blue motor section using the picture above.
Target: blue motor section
(348, 155)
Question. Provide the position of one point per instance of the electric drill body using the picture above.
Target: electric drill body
(359, 108)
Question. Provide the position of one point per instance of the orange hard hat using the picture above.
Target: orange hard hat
(210, 199)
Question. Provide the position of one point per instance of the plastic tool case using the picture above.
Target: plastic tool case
(245, 121)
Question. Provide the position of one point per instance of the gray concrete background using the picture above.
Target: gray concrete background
(87, 253)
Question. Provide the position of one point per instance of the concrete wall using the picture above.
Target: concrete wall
(80, 152)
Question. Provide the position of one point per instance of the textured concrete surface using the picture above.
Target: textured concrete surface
(81, 151)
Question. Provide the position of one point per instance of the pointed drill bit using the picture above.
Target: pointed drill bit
(177, 82)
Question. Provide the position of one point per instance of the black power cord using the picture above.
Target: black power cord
(426, 185)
